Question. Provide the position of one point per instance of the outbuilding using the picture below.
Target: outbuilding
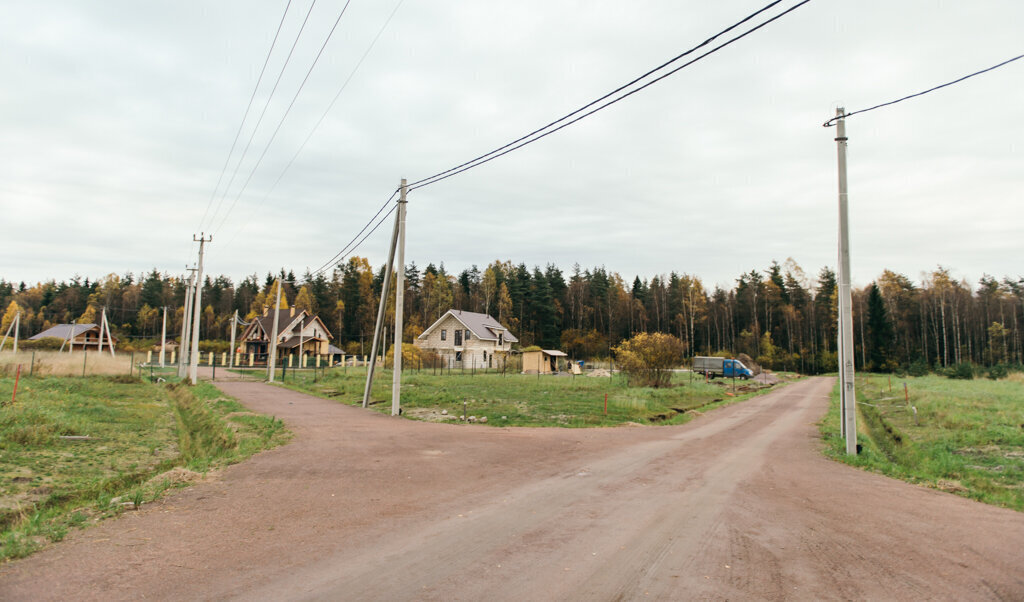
(543, 361)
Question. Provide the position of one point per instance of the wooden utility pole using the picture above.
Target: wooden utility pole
(847, 393)
(385, 289)
(273, 335)
(396, 372)
(163, 338)
(197, 310)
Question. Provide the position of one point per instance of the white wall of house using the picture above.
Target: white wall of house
(475, 353)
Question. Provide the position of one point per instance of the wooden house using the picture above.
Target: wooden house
(298, 333)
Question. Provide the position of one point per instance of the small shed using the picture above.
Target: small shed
(544, 361)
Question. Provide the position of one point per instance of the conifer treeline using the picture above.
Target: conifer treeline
(779, 316)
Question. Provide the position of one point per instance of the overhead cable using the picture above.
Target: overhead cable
(349, 248)
(832, 121)
(285, 116)
(234, 143)
(603, 101)
(270, 97)
(322, 117)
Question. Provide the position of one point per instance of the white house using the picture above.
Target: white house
(467, 339)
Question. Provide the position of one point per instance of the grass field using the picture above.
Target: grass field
(79, 363)
(75, 450)
(967, 437)
(526, 400)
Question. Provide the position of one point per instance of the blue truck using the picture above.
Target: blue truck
(720, 366)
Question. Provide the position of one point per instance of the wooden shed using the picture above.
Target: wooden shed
(545, 361)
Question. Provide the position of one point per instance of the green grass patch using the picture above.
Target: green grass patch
(76, 450)
(967, 437)
(526, 400)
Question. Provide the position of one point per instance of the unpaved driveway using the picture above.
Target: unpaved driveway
(738, 504)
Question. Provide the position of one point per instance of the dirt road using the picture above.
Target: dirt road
(738, 504)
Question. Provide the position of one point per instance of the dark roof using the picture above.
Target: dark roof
(63, 331)
(286, 321)
(483, 326)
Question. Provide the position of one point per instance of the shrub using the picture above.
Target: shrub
(918, 367)
(961, 371)
(998, 371)
(648, 358)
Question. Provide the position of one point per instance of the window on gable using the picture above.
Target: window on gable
(501, 339)
(467, 335)
(444, 335)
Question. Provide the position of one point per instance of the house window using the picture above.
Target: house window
(467, 335)
(444, 335)
(458, 356)
(485, 355)
(501, 339)
(458, 338)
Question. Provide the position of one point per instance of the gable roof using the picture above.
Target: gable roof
(285, 322)
(63, 331)
(483, 326)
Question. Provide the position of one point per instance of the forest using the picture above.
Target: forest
(780, 316)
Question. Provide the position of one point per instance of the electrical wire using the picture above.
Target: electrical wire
(832, 121)
(550, 129)
(318, 123)
(285, 116)
(245, 116)
(340, 255)
(248, 144)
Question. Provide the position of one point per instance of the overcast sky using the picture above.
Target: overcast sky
(117, 117)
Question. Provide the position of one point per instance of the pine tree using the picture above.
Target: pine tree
(880, 334)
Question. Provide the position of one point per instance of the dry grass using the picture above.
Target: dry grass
(52, 363)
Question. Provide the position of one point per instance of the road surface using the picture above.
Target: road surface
(738, 504)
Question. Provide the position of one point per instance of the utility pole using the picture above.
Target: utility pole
(396, 372)
(110, 337)
(163, 338)
(197, 309)
(103, 322)
(385, 289)
(185, 323)
(234, 324)
(273, 335)
(15, 326)
(847, 393)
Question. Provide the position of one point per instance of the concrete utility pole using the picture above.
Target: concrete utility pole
(273, 335)
(103, 323)
(396, 383)
(847, 393)
(185, 323)
(15, 325)
(385, 289)
(197, 310)
(234, 324)
(163, 338)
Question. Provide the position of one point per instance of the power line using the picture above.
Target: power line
(832, 121)
(259, 80)
(320, 121)
(263, 113)
(550, 129)
(340, 255)
(285, 116)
